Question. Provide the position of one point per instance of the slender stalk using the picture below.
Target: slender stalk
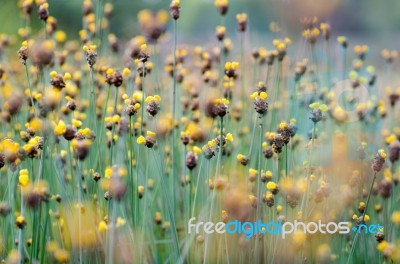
(20, 243)
(169, 210)
(218, 171)
(142, 103)
(257, 250)
(173, 120)
(29, 87)
(113, 127)
(362, 220)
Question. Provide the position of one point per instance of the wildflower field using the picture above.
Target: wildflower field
(130, 148)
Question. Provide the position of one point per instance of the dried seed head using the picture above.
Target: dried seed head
(96, 176)
(4, 209)
(379, 237)
(385, 188)
(241, 22)
(278, 143)
(69, 132)
(43, 11)
(268, 152)
(191, 160)
(378, 161)
(174, 9)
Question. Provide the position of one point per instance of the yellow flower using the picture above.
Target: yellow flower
(263, 95)
(212, 143)
(314, 105)
(157, 98)
(229, 137)
(396, 217)
(60, 36)
(140, 140)
(271, 185)
(102, 226)
(150, 133)
(108, 172)
(115, 119)
(120, 222)
(61, 255)
(390, 139)
(23, 178)
(67, 76)
(269, 195)
(197, 150)
(76, 123)
(323, 108)
(126, 72)
(253, 171)
(382, 153)
(341, 39)
(254, 95)
(110, 71)
(53, 74)
(382, 246)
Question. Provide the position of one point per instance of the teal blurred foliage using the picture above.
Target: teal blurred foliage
(368, 17)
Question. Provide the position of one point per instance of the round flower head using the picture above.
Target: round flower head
(316, 111)
(153, 104)
(222, 6)
(221, 107)
(174, 9)
(241, 22)
(230, 69)
(242, 159)
(378, 161)
(43, 11)
(343, 41)
(191, 160)
(260, 102)
(91, 54)
(311, 35)
(23, 52)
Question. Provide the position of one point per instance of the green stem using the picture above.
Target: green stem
(173, 120)
(259, 188)
(362, 220)
(113, 127)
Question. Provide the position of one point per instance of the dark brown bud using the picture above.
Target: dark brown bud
(43, 11)
(385, 188)
(150, 142)
(191, 160)
(57, 82)
(96, 176)
(174, 9)
(377, 163)
(261, 106)
(2, 160)
(71, 105)
(268, 152)
(277, 143)
(69, 132)
(4, 209)
(152, 108)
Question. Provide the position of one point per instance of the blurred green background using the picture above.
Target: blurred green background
(367, 19)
